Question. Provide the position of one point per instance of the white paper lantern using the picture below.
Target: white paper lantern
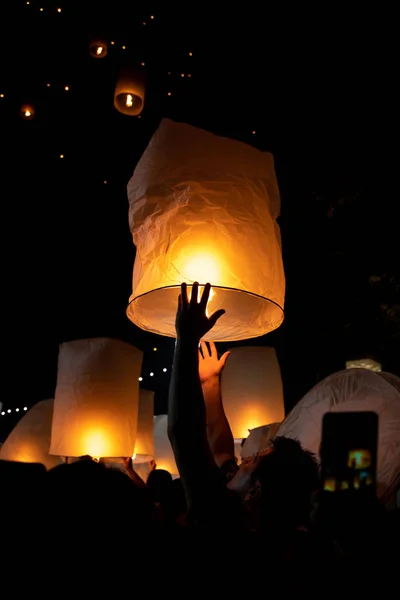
(29, 441)
(144, 446)
(251, 387)
(259, 439)
(96, 400)
(163, 450)
(204, 208)
(129, 92)
(353, 390)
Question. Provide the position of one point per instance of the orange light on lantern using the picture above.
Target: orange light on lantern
(98, 48)
(29, 441)
(96, 399)
(130, 92)
(27, 112)
(203, 208)
(251, 388)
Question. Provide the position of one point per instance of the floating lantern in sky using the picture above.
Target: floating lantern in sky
(203, 208)
(144, 446)
(164, 455)
(27, 112)
(129, 92)
(353, 390)
(96, 399)
(251, 388)
(98, 49)
(29, 441)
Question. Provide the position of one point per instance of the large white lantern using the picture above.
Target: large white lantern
(96, 399)
(353, 390)
(251, 387)
(204, 208)
(29, 441)
(164, 454)
(144, 446)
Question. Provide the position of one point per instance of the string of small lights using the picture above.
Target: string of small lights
(9, 411)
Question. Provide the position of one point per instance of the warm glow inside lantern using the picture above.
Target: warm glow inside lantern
(96, 399)
(98, 48)
(29, 441)
(129, 92)
(144, 446)
(164, 455)
(203, 208)
(27, 112)
(251, 387)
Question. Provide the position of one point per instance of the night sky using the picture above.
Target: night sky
(313, 89)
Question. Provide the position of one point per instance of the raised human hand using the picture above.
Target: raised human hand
(191, 321)
(210, 366)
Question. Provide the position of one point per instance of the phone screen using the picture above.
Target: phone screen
(349, 451)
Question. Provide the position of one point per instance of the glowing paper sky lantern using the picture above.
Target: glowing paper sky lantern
(27, 112)
(98, 48)
(203, 208)
(144, 446)
(96, 399)
(129, 92)
(353, 390)
(29, 441)
(164, 455)
(251, 387)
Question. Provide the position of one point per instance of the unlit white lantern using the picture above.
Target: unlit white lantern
(251, 387)
(259, 439)
(204, 208)
(364, 363)
(29, 441)
(96, 399)
(353, 390)
(164, 454)
(144, 446)
(129, 92)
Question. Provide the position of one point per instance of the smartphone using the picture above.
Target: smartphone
(349, 452)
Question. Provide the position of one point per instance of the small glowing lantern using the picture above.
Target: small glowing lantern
(27, 112)
(96, 399)
(203, 208)
(98, 49)
(251, 388)
(29, 441)
(364, 363)
(353, 390)
(164, 455)
(129, 92)
(144, 446)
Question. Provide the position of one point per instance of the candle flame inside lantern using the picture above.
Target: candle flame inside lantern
(95, 444)
(28, 113)
(129, 100)
(202, 268)
(99, 50)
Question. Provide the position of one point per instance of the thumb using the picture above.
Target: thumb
(223, 359)
(214, 317)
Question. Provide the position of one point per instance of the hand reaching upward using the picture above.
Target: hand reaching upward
(192, 322)
(210, 366)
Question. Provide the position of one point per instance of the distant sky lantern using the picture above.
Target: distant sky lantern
(129, 92)
(164, 455)
(96, 399)
(27, 112)
(98, 48)
(203, 208)
(29, 441)
(251, 387)
(144, 446)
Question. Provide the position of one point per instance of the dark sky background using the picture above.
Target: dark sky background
(317, 90)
